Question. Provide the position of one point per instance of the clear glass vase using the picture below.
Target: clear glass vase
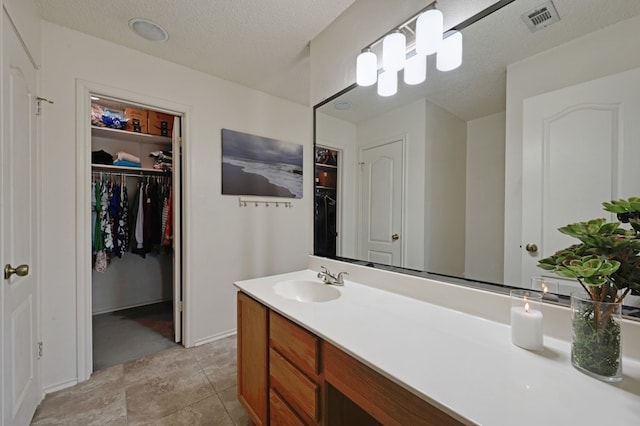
(595, 338)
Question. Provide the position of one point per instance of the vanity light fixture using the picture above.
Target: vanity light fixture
(449, 56)
(425, 30)
(415, 69)
(366, 68)
(388, 83)
(394, 51)
(429, 29)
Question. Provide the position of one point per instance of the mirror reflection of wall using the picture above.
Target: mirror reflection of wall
(467, 141)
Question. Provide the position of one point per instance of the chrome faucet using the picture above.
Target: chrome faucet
(328, 278)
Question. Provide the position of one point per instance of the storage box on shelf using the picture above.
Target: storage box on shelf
(160, 124)
(137, 120)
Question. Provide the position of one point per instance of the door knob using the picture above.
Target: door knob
(531, 248)
(395, 237)
(20, 270)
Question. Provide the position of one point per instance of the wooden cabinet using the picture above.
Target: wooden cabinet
(312, 382)
(294, 367)
(384, 400)
(253, 326)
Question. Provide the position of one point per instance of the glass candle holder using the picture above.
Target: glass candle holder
(549, 288)
(526, 319)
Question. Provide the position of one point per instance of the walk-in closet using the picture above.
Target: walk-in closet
(135, 230)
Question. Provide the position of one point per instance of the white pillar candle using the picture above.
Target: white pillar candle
(526, 319)
(526, 327)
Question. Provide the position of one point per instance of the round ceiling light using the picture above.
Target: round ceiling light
(148, 30)
(342, 105)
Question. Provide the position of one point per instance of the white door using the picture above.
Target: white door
(20, 366)
(381, 204)
(177, 231)
(580, 148)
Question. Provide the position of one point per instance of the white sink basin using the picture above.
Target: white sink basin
(306, 291)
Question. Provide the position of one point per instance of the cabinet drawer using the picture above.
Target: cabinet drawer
(279, 412)
(295, 343)
(295, 388)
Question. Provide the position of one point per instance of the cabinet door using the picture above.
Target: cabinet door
(253, 358)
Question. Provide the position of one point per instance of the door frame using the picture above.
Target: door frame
(84, 88)
(402, 138)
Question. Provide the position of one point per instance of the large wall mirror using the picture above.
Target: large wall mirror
(469, 174)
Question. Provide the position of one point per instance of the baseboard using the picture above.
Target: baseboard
(216, 337)
(120, 308)
(63, 385)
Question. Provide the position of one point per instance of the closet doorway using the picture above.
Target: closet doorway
(132, 302)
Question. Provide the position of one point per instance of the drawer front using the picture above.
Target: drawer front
(295, 343)
(295, 388)
(279, 412)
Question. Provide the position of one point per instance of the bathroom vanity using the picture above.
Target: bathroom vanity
(311, 380)
(369, 357)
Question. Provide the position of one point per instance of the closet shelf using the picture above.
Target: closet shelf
(333, 188)
(116, 169)
(328, 166)
(125, 135)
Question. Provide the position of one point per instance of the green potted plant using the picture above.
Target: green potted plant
(606, 263)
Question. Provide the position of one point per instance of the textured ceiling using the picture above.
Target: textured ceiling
(478, 87)
(262, 44)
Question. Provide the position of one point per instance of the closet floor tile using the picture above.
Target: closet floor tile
(176, 386)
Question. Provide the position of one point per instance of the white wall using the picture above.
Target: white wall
(608, 51)
(228, 243)
(26, 18)
(444, 217)
(340, 134)
(484, 241)
(405, 122)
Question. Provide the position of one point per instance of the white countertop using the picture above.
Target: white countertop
(464, 365)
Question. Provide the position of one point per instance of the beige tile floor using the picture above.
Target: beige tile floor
(177, 386)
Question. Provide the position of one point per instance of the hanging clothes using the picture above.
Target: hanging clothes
(94, 214)
(117, 228)
(138, 236)
(146, 219)
(105, 224)
(100, 264)
(114, 217)
(123, 229)
(168, 233)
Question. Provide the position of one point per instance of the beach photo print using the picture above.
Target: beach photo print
(255, 165)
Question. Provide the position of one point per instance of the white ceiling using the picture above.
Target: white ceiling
(478, 87)
(262, 44)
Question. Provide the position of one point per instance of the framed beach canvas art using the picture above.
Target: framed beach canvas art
(255, 165)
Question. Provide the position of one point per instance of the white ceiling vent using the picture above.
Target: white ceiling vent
(541, 17)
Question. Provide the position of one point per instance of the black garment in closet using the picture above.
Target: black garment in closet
(325, 225)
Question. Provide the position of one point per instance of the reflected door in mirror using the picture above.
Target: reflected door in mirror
(579, 150)
(381, 191)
